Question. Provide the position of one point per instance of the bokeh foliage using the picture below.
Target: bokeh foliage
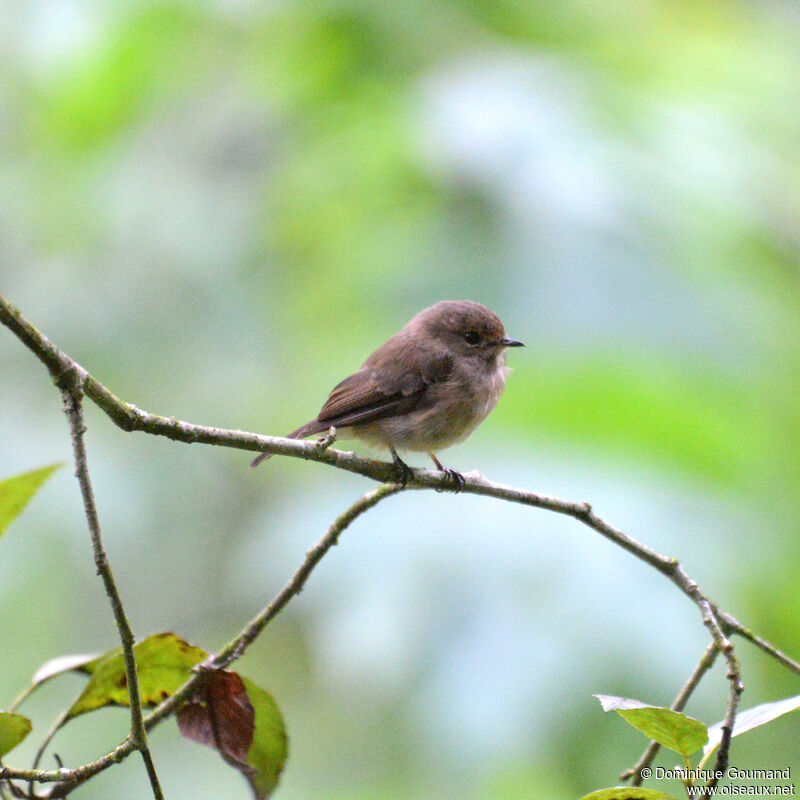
(221, 207)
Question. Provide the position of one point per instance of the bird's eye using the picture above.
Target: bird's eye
(471, 337)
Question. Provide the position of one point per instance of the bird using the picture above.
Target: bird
(426, 388)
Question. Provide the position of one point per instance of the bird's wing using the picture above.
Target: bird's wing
(391, 382)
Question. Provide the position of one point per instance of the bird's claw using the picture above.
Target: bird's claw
(403, 472)
(456, 477)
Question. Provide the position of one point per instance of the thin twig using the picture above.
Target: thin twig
(725, 647)
(730, 624)
(21, 698)
(74, 411)
(152, 775)
(703, 665)
(54, 729)
(236, 648)
(16, 792)
(130, 418)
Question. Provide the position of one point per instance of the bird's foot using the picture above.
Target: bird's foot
(403, 472)
(456, 477)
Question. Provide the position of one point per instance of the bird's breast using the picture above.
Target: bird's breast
(447, 413)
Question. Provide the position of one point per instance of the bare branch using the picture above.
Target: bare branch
(731, 625)
(74, 411)
(236, 648)
(72, 379)
(725, 647)
(703, 665)
(48, 737)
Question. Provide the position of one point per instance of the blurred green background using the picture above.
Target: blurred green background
(220, 208)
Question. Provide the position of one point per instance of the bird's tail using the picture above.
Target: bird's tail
(315, 426)
(259, 458)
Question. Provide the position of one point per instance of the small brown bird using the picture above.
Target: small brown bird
(426, 388)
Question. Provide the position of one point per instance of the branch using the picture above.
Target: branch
(235, 649)
(703, 665)
(130, 418)
(725, 647)
(74, 411)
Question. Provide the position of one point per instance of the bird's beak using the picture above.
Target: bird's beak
(511, 343)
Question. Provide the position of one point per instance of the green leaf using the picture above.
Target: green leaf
(270, 746)
(17, 491)
(670, 728)
(752, 718)
(13, 729)
(627, 793)
(164, 663)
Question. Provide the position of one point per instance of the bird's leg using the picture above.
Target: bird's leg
(456, 477)
(403, 470)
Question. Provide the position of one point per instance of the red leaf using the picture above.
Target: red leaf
(222, 718)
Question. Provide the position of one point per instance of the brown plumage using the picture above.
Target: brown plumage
(425, 388)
